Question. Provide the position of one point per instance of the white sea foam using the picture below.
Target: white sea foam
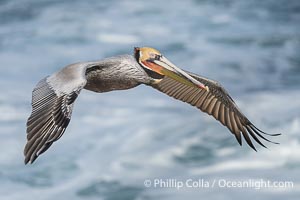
(118, 38)
(221, 19)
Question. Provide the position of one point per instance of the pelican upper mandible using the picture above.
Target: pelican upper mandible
(54, 96)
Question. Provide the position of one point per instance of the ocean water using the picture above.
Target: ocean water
(118, 141)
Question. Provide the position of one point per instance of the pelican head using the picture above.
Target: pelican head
(159, 66)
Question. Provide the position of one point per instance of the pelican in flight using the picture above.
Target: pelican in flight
(53, 97)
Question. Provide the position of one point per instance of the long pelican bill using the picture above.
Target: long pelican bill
(171, 70)
(163, 66)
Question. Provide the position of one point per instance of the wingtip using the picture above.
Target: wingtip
(26, 161)
(252, 146)
(257, 131)
(238, 138)
(275, 134)
(29, 159)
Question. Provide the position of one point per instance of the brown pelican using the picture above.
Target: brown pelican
(54, 96)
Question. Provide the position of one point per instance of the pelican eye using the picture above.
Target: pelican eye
(154, 56)
(158, 57)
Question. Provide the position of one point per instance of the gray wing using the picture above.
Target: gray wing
(217, 103)
(52, 104)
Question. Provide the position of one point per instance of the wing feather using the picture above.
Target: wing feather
(52, 104)
(216, 110)
(222, 114)
(212, 105)
(218, 103)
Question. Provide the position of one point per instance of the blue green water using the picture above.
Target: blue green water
(117, 140)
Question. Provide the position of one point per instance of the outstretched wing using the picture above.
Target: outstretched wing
(217, 103)
(52, 104)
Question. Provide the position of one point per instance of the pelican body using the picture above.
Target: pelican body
(54, 96)
(117, 73)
